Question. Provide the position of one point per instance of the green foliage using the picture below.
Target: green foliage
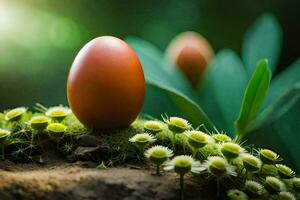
(221, 96)
(263, 40)
(254, 96)
(270, 116)
(250, 172)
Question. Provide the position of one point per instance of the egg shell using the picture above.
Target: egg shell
(106, 85)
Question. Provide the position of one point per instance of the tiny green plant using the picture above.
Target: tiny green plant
(176, 125)
(153, 127)
(197, 140)
(254, 189)
(102, 165)
(58, 113)
(250, 173)
(158, 155)
(56, 131)
(182, 165)
(142, 140)
(235, 194)
(4, 135)
(15, 114)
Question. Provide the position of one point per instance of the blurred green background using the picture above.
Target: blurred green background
(40, 38)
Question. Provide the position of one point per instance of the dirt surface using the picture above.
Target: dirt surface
(82, 181)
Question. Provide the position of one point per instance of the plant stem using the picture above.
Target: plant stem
(181, 187)
(2, 151)
(157, 170)
(194, 152)
(218, 187)
(174, 142)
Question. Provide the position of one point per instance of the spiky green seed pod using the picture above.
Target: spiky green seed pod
(58, 113)
(274, 185)
(231, 150)
(250, 162)
(158, 154)
(219, 167)
(296, 184)
(267, 156)
(285, 172)
(56, 130)
(184, 164)
(15, 114)
(39, 122)
(153, 127)
(177, 125)
(286, 196)
(235, 194)
(254, 188)
(197, 139)
(142, 140)
(4, 134)
(220, 138)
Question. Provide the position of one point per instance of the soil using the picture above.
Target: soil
(83, 181)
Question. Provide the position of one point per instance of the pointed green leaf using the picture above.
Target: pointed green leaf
(278, 108)
(223, 89)
(254, 96)
(283, 83)
(284, 91)
(262, 40)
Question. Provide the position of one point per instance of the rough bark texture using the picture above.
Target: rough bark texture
(82, 181)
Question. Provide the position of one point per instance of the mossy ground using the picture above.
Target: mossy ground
(112, 147)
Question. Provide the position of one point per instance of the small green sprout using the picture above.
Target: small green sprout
(68, 147)
(56, 131)
(296, 184)
(58, 113)
(177, 124)
(286, 196)
(235, 194)
(254, 188)
(231, 150)
(101, 166)
(39, 122)
(142, 140)
(267, 156)
(285, 172)
(15, 114)
(219, 167)
(153, 127)
(158, 155)
(250, 162)
(220, 138)
(197, 140)
(274, 185)
(182, 165)
(4, 134)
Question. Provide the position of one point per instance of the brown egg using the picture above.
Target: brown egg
(106, 85)
(191, 53)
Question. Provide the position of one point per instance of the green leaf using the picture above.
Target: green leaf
(277, 109)
(282, 135)
(166, 90)
(223, 89)
(254, 96)
(283, 93)
(283, 83)
(160, 69)
(262, 40)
